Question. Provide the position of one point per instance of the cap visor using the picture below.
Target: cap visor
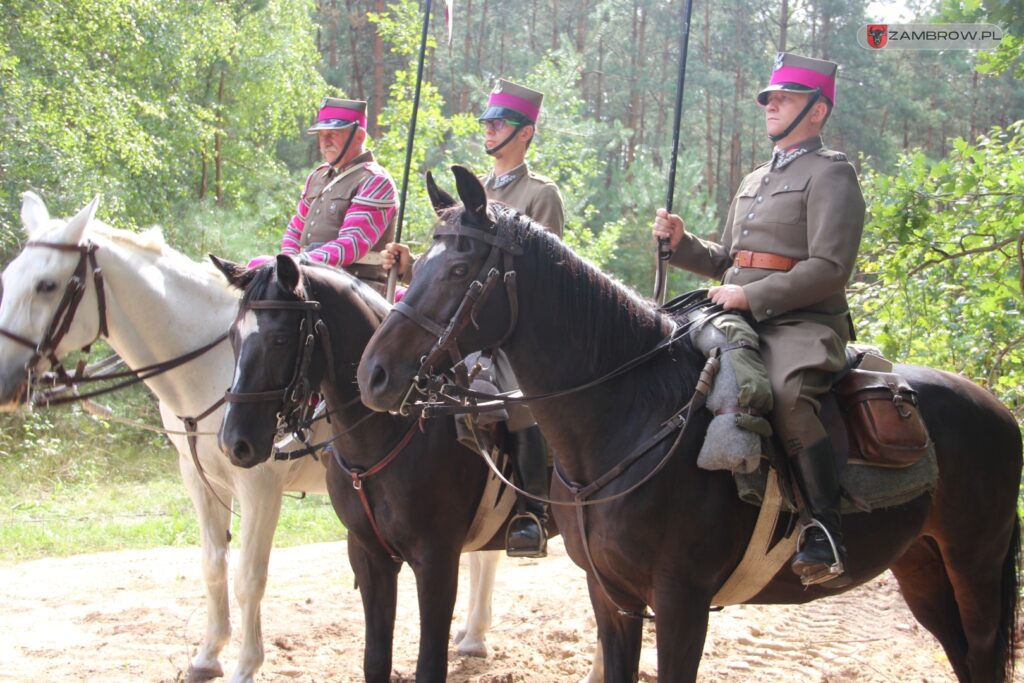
(503, 113)
(333, 124)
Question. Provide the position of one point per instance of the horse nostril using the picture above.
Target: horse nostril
(379, 378)
(241, 452)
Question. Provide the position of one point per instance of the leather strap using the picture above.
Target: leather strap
(358, 475)
(764, 260)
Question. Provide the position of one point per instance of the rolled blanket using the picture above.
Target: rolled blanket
(740, 397)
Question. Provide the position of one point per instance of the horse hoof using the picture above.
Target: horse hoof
(459, 635)
(197, 674)
(477, 649)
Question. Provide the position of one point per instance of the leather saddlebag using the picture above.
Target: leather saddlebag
(884, 423)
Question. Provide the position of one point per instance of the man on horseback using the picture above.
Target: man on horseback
(346, 212)
(788, 247)
(510, 121)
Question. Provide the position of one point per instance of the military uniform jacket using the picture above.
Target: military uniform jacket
(530, 194)
(329, 195)
(805, 204)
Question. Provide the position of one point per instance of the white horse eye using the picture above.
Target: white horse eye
(45, 286)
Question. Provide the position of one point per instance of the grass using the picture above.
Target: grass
(73, 484)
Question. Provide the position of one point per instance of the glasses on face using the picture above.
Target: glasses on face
(498, 125)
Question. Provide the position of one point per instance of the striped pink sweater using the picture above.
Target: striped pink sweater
(366, 219)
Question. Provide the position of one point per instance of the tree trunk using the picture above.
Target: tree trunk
(218, 160)
(378, 77)
(467, 46)
(554, 25)
(357, 73)
(709, 174)
(783, 25)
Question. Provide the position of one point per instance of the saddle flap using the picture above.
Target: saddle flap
(884, 423)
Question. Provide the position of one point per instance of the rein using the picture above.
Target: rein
(294, 413)
(295, 404)
(358, 476)
(59, 325)
(446, 398)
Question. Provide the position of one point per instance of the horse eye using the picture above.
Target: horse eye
(459, 270)
(45, 286)
(279, 340)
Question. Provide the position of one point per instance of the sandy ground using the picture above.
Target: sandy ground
(137, 616)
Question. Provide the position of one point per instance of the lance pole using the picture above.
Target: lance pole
(393, 275)
(664, 253)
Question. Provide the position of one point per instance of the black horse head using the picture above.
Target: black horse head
(467, 299)
(284, 348)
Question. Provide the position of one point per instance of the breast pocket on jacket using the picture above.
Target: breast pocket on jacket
(786, 201)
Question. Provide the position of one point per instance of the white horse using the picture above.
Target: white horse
(158, 305)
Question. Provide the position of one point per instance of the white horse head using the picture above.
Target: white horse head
(34, 284)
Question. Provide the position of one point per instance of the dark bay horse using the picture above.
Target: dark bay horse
(420, 487)
(672, 542)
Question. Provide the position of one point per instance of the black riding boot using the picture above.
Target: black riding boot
(526, 536)
(815, 562)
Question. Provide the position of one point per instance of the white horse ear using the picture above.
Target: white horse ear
(74, 231)
(34, 214)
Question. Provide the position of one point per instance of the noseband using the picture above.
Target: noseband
(294, 413)
(503, 249)
(74, 290)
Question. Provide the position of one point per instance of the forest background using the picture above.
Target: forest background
(190, 114)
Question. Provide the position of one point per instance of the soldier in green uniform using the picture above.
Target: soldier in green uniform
(510, 121)
(787, 250)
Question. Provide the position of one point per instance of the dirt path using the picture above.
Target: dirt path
(136, 616)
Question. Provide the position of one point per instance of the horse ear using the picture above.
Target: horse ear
(34, 214)
(238, 275)
(288, 275)
(440, 199)
(471, 192)
(74, 231)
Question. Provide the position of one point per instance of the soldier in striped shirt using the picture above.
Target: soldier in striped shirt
(346, 213)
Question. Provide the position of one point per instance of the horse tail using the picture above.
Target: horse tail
(1010, 600)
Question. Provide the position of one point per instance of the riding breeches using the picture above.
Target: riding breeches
(802, 359)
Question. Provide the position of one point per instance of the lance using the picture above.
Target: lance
(664, 253)
(393, 275)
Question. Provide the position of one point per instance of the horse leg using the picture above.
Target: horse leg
(983, 574)
(437, 583)
(377, 577)
(929, 594)
(260, 505)
(483, 565)
(214, 526)
(681, 627)
(619, 637)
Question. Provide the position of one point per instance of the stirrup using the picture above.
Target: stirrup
(834, 574)
(541, 550)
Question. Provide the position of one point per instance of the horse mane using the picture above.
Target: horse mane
(151, 243)
(614, 324)
(321, 275)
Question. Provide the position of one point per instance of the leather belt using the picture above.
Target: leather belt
(762, 259)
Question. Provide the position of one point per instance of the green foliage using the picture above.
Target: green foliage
(144, 101)
(940, 279)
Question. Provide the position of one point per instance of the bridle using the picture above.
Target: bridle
(59, 325)
(503, 250)
(460, 399)
(296, 409)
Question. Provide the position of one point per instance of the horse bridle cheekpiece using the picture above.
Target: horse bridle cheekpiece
(74, 290)
(503, 249)
(296, 408)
